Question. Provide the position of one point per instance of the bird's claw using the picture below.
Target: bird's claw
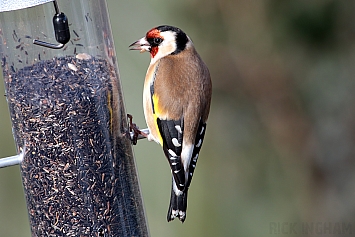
(133, 131)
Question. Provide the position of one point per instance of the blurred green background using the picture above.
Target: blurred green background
(279, 146)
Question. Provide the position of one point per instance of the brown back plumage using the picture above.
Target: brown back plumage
(184, 86)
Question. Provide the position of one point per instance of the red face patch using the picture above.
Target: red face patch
(153, 33)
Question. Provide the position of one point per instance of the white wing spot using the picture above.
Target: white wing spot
(178, 128)
(195, 158)
(173, 163)
(175, 142)
(193, 166)
(173, 158)
(176, 171)
(199, 143)
(171, 152)
(203, 129)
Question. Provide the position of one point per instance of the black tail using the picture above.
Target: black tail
(178, 206)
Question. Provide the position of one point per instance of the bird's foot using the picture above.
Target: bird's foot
(134, 129)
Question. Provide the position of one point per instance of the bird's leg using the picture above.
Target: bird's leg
(135, 129)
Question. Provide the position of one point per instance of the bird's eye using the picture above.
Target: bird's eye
(157, 41)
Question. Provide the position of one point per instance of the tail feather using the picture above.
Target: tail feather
(178, 206)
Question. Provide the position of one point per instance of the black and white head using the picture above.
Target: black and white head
(162, 41)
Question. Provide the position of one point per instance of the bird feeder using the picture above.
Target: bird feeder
(68, 119)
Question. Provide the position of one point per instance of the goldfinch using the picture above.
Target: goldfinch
(176, 100)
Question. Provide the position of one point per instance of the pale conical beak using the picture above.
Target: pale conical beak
(142, 45)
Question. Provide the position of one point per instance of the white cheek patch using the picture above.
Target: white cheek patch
(166, 47)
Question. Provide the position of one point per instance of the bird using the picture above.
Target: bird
(176, 101)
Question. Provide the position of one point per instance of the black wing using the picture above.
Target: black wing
(171, 132)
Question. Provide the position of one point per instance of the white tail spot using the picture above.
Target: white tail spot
(174, 213)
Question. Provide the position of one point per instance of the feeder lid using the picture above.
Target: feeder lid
(11, 5)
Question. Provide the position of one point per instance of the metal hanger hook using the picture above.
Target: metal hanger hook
(61, 30)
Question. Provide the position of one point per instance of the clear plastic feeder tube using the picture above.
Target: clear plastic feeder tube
(67, 112)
